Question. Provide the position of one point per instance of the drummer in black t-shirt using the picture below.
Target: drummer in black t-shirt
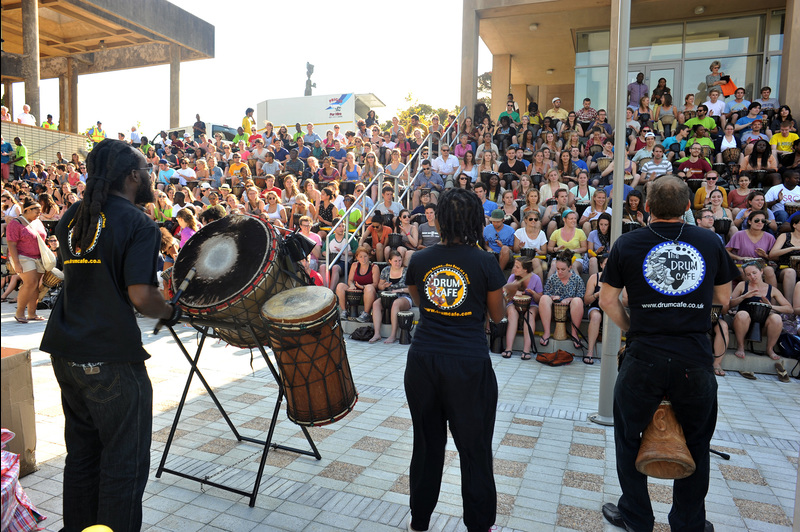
(109, 249)
(511, 166)
(672, 272)
(449, 376)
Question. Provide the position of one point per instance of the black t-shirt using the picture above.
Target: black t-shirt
(453, 282)
(93, 319)
(670, 286)
(519, 167)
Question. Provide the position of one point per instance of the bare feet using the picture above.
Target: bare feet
(771, 354)
(389, 340)
(374, 339)
(739, 353)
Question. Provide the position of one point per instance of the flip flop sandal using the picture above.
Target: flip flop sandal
(783, 376)
(589, 359)
(507, 354)
(544, 342)
(36, 318)
(20, 320)
(525, 356)
(748, 375)
(719, 372)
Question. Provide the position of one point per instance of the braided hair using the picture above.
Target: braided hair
(107, 166)
(461, 218)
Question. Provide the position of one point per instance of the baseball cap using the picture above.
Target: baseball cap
(205, 185)
(649, 134)
(186, 135)
(226, 186)
(556, 98)
(497, 214)
(162, 161)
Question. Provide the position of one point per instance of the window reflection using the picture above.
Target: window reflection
(717, 38)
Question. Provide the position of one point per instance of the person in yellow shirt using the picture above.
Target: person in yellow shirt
(415, 123)
(48, 124)
(237, 170)
(557, 112)
(96, 133)
(248, 122)
(784, 140)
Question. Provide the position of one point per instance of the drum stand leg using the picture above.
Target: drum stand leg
(267, 444)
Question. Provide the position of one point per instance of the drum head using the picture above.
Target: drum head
(229, 255)
(297, 305)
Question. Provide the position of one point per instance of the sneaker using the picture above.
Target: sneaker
(344, 315)
(363, 317)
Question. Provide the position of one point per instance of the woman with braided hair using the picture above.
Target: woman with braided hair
(110, 249)
(449, 376)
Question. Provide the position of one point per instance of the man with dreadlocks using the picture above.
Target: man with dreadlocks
(110, 248)
(449, 376)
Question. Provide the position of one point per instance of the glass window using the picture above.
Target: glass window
(592, 83)
(592, 48)
(721, 37)
(775, 31)
(774, 76)
(656, 43)
(744, 72)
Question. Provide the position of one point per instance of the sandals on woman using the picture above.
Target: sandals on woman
(20, 320)
(719, 372)
(507, 354)
(36, 318)
(526, 355)
(589, 361)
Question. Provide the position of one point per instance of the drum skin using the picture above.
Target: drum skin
(238, 270)
(306, 336)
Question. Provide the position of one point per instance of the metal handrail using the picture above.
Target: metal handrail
(345, 218)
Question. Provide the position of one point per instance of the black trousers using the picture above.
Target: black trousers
(646, 376)
(461, 390)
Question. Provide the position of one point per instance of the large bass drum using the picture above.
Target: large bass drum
(238, 270)
(306, 335)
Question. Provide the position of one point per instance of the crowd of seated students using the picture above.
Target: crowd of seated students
(545, 179)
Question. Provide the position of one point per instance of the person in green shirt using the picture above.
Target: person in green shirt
(703, 119)
(510, 113)
(20, 159)
(48, 124)
(354, 218)
(241, 135)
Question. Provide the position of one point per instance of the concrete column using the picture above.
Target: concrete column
(174, 85)
(8, 88)
(611, 105)
(469, 57)
(501, 83)
(30, 55)
(72, 80)
(520, 93)
(790, 60)
(63, 102)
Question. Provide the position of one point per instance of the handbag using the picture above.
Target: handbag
(728, 88)
(48, 257)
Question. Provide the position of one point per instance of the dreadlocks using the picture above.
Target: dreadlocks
(460, 217)
(107, 165)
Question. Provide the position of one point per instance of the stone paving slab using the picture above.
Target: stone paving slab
(553, 467)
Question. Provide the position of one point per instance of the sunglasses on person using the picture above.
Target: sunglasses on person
(759, 220)
(534, 219)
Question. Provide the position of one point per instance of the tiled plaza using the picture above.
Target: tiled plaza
(554, 469)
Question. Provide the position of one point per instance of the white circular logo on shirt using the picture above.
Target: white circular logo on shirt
(446, 286)
(674, 268)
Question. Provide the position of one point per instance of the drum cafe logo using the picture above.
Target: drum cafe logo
(446, 287)
(674, 268)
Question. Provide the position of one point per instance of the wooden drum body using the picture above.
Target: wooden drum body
(731, 156)
(794, 262)
(716, 313)
(53, 278)
(663, 452)
(353, 298)
(522, 303)
(759, 312)
(791, 208)
(561, 315)
(695, 184)
(305, 334)
(395, 240)
(387, 300)
(580, 208)
(602, 163)
(238, 270)
(707, 152)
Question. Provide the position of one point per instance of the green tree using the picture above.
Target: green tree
(424, 111)
(485, 89)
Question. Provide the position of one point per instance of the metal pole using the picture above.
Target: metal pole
(611, 333)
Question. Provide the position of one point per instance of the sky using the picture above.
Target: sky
(261, 52)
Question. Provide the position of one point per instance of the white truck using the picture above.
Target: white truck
(324, 111)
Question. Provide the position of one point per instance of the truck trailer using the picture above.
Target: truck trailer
(324, 111)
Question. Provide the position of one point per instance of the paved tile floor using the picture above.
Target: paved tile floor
(554, 468)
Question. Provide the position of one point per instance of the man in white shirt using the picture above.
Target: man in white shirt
(716, 107)
(26, 117)
(446, 165)
(778, 196)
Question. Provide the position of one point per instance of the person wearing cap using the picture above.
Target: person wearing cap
(96, 133)
(557, 112)
(224, 190)
(165, 173)
(646, 151)
(499, 237)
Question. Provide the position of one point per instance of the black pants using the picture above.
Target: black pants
(462, 391)
(644, 379)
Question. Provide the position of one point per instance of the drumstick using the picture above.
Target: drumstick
(178, 294)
